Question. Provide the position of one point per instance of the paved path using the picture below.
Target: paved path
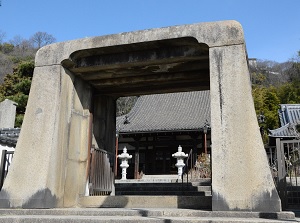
(131, 215)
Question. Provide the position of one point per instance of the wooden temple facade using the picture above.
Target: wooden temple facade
(158, 124)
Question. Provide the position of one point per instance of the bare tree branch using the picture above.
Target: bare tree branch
(40, 39)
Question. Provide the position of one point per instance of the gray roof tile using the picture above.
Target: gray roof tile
(287, 130)
(167, 112)
(289, 116)
(9, 136)
(289, 113)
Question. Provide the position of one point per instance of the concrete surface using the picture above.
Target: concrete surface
(137, 215)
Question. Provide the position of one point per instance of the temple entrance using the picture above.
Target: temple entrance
(180, 65)
(146, 68)
(158, 160)
(163, 161)
(157, 125)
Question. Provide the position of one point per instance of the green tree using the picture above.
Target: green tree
(16, 87)
(274, 84)
(258, 78)
(7, 48)
(289, 93)
(266, 102)
(294, 71)
(125, 104)
(18, 49)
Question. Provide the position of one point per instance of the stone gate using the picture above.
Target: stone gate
(72, 106)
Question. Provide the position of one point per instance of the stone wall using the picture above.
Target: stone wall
(7, 113)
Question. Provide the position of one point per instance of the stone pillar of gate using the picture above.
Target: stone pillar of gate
(49, 165)
(241, 177)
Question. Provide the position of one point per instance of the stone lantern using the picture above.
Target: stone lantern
(180, 160)
(124, 157)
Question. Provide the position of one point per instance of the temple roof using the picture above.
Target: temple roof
(288, 130)
(167, 112)
(289, 116)
(289, 113)
(9, 136)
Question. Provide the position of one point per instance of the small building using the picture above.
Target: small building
(8, 136)
(289, 117)
(284, 154)
(158, 124)
(8, 141)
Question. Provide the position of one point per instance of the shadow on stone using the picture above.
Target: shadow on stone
(41, 199)
(268, 215)
(114, 202)
(143, 213)
(4, 199)
(194, 202)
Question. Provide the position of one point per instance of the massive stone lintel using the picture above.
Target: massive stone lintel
(73, 80)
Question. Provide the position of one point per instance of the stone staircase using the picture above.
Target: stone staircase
(163, 186)
(146, 201)
(155, 191)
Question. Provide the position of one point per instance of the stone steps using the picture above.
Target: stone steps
(163, 201)
(154, 186)
(202, 182)
(166, 176)
(124, 215)
(164, 193)
(162, 189)
(157, 191)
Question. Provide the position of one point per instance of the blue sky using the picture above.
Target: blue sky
(271, 27)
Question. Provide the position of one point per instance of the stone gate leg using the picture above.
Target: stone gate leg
(52, 148)
(241, 178)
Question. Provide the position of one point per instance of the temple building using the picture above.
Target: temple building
(289, 117)
(8, 136)
(158, 124)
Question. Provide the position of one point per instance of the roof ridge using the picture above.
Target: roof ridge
(166, 112)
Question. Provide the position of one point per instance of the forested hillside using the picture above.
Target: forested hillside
(16, 68)
(272, 83)
(18, 49)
